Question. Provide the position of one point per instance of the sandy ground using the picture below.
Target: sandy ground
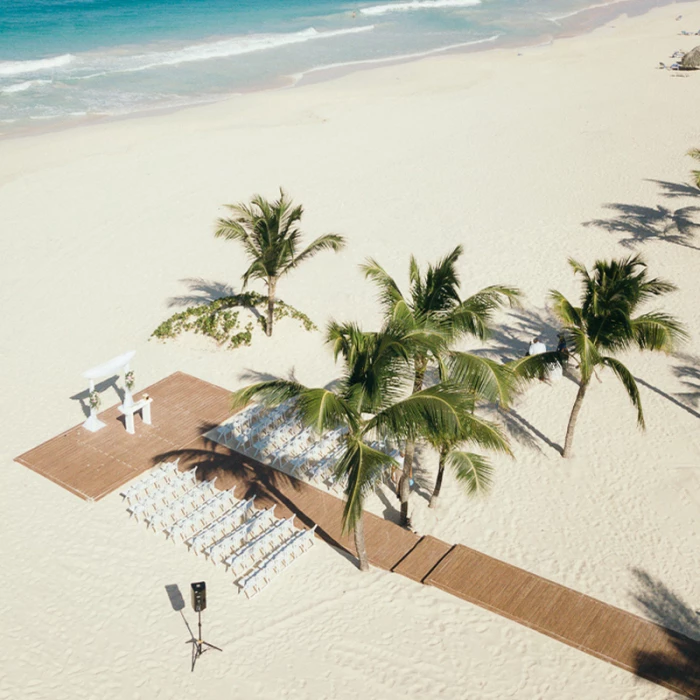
(511, 153)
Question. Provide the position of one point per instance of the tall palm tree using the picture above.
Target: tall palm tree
(434, 301)
(695, 153)
(605, 324)
(271, 238)
(470, 469)
(372, 401)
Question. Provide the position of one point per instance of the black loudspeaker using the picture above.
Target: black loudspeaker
(199, 596)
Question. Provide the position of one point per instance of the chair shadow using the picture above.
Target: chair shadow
(84, 396)
(679, 665)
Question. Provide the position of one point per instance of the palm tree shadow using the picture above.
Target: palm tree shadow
(250, 477)
(695, 394)
(689, 375)
(673, 190)
(203, 291)
(679, 663)
(513, 418)
(639, 224)
(511, 340)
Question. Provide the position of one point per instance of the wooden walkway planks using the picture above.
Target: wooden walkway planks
(578, 620)
(185, 408)
(422, 559)
(91, 465)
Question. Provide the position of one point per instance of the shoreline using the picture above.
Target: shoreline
(580, 23)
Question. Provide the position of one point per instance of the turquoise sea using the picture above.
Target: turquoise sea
(66, 60)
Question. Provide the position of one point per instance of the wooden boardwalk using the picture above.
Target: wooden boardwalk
(92, 465)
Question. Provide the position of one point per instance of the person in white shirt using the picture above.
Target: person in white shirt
(536, 347)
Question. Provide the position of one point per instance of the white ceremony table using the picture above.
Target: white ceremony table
(144, 405)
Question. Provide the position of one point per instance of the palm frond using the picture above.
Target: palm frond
(565, 311)
(473, 315)
(389, 292)
(437, 409)
(533, 366)
(473, 471)
(657, 331)
(329, 241)
(628, 381)
(487, 379)
(322, 410)
(360, 466)
(586, 351)
(271, 393)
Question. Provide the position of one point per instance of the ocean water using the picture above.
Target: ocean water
(63, 61)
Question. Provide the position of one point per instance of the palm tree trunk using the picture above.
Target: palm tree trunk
(572, 419)
(271, 290)
(360, 545)
(420, 364)
(438, 482)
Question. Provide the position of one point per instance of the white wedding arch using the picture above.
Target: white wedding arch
(118, 364)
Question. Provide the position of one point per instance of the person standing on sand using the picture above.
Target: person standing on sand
(536, 347)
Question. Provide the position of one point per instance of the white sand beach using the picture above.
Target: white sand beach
(512, 153)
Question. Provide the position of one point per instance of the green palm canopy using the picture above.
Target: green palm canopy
(433, 305)
(607, 323)
(271, 238)
(372, 399)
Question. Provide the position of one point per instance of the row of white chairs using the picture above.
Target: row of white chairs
(219, 527)
(188, 501)
(193, 521)
(245, 557)
(240, 420)
(162, 474)
(253, 544)
(162, 495)
(222, 548)
(276, 561)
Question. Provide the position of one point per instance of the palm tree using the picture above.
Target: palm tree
(695, 153)
(605, 325)
(470, 469)
(270, 236)
(372, 401)
(434, 302)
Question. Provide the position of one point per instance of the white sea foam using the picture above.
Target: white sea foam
(573, 13)
(226, 48)
(416, 5)
(21, 87)
(9, 68)
(388, 59)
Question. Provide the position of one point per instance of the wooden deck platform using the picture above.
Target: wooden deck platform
(92, 465)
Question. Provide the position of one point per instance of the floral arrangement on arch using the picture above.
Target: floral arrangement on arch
(94, 400)
(130, 379)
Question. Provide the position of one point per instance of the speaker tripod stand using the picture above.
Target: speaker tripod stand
(199, 646)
